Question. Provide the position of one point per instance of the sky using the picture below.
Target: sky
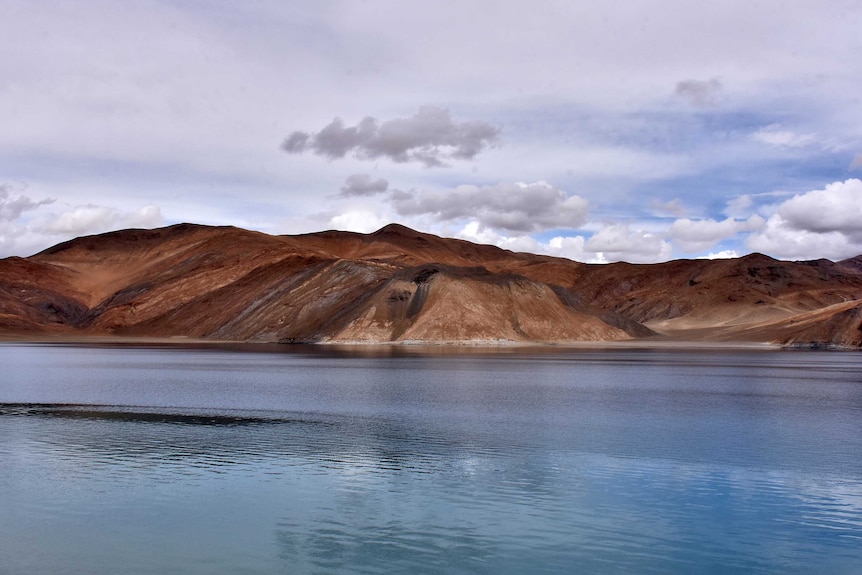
(638, 131)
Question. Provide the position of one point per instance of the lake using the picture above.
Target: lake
(316, 459)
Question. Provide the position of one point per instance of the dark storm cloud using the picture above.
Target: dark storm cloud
(429, 137)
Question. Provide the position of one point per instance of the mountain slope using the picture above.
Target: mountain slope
(398, 284)
(684, 295)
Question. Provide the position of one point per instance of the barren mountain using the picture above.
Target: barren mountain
(401, 285)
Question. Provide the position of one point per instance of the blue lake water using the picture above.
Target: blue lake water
(119, 459)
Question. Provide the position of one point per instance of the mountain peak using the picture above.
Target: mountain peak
(396, 229)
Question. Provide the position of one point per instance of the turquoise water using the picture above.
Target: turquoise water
(308, 460)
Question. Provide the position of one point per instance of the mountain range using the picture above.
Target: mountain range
(400, 285)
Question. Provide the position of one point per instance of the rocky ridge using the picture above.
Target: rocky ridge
(399, 285)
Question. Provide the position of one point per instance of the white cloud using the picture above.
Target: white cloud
(474, 231)
(94, 219)
(739, 207)
(783, 241)
(611, 243)
(24, 234)
(775, 135)
(572, 247)
(820, 223)
(512, 207)
(10, 236)
(838, 207)
(359, 220)
(722, 255)
(698, 235)
(13, 228)
(618, 242)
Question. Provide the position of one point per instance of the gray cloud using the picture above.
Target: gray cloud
(363, 185)
(11, 207)
(295, 143)
(429, 137)
(513, 207)
(699, 93)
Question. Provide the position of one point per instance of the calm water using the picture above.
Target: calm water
(145, 460)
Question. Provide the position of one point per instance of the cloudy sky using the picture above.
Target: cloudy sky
(635, 130)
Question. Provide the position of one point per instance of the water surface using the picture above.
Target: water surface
(309, 460)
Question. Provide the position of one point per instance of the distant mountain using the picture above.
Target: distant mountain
(398, 284)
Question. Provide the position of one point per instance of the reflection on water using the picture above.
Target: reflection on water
(201, 461)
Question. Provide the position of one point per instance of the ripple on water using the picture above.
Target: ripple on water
(610, 480)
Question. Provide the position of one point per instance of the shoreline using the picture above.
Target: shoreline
(659, 343)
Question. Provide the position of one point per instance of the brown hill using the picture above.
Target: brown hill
(397, 284)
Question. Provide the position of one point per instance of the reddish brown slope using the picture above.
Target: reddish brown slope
(838, 325)
(188, 256)
(718, 299)
(687, 295)
(399, 245)
(438, 303)
(37, 297)
(398, 284)
(233, 284)
(133, 277)
(852, 265)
